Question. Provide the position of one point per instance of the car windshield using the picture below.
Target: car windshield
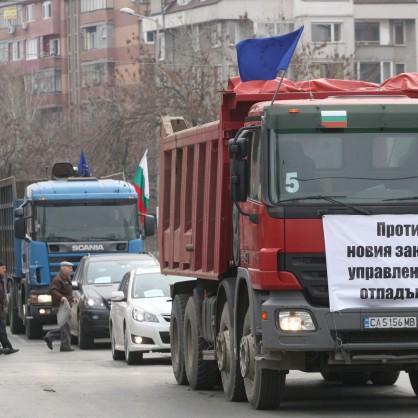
(86, 223)
(109, 271)
(153, 285)
(361, 167)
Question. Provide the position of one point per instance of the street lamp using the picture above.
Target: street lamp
(129, 11)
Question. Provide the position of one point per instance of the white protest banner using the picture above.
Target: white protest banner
(372, 261)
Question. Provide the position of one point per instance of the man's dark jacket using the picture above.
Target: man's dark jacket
(60, 286)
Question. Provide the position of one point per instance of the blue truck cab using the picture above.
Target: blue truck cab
(65, 219)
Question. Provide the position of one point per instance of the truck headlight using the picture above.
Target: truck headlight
(294, 321)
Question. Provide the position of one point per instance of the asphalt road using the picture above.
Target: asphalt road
(37, 382)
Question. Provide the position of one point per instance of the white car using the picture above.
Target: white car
(140, 314)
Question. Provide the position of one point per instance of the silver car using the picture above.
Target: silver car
(140, 314)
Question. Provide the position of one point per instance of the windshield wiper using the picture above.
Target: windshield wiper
(329, 199)
(401, 198)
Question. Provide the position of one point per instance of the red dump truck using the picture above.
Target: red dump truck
(298, 216)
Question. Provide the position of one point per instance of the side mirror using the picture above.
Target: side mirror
(118, 296)
(149, 225)
(239, 181)
(20, 230)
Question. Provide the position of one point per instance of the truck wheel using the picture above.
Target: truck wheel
(264, 387)
(232, 381)
(176, 338)
(355, 378)
(131, 357)
(33, 329)
(384, 378)
(197, 370)
(16, 324)
(85, 341)
(330, 376)
(413, 378)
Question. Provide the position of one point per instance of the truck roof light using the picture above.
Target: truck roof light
(294, 110)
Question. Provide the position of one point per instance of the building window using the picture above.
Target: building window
(367, 32)
(17, 50)
(374, 72)
(31, 49)
(90, 5)
(399, 33)
(216, 35)
(267, 29)
(46, 9)
(90, 38)
(48, 81)
(327, 70)
(399, 69)
(54, 47)
(326, 32)
(232, 33)
(30, 12)
(4, 52)
(149, 37)
(196, 38)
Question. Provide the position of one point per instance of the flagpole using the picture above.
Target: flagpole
(278, 88)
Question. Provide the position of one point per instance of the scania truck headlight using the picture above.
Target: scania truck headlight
(294, 321)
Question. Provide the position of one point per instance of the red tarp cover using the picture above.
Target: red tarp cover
(404, 82)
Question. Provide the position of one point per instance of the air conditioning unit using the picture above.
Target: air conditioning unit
(11, 29)
(25, 25)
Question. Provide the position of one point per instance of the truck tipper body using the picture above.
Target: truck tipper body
(43, 223)
(299, 218)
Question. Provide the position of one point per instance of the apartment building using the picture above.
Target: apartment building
(73, 50)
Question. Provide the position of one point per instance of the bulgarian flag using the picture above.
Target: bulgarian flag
(141, 184)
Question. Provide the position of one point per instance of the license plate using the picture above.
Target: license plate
(390, 322)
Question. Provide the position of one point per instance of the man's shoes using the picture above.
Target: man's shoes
(48, 342)
(10, 350)
(3, 350)
(67, 349)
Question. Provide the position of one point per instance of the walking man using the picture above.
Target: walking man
(6, 344)
(61, 290)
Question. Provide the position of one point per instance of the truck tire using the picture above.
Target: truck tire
(16, 324)
(85, 341)
(197, 370)
(264, 387)
(384, 378)
(413, 378)
(355, 378)
(33, 329)
(176, 338)
(228, 364)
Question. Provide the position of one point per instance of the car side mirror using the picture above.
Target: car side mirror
(118, 296)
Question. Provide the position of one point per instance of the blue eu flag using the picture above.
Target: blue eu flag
(83, 166)
(263, 58)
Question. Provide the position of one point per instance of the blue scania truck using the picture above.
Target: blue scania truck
(45, 222)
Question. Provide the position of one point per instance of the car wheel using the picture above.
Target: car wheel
(85, 341)
(116, 354)
(131, 357)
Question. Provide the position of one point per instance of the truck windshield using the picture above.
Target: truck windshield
(86, 223)
(355, 167)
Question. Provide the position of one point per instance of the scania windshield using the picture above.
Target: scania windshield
(86, 223)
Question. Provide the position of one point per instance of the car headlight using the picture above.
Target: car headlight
(141, 315)
(293, 321)
(40, 298)
(95, 302)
